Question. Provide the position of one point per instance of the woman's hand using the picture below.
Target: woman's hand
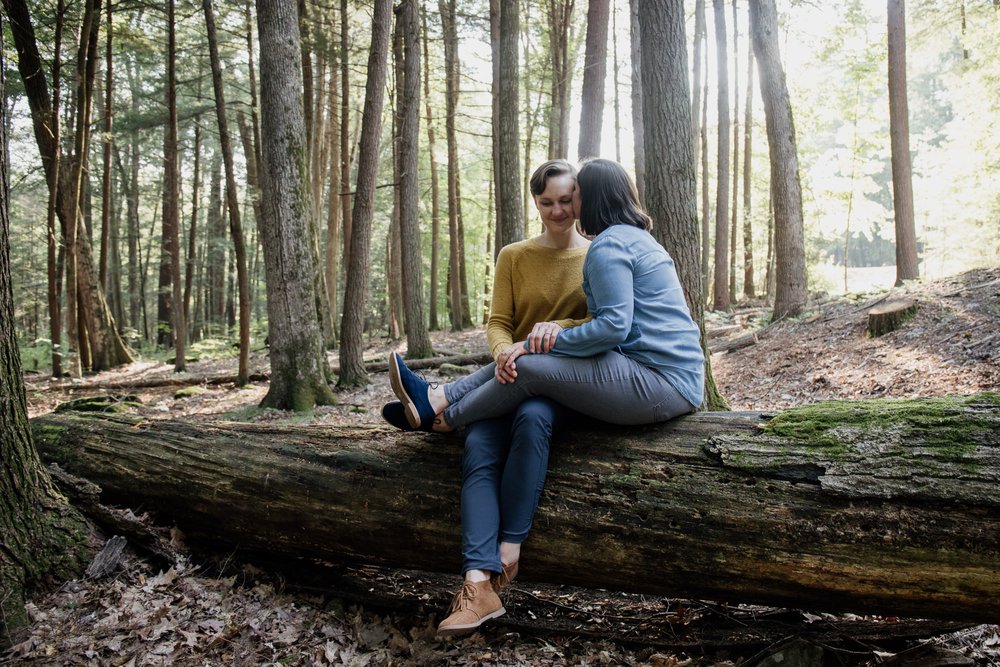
(506, 370)
(543, 337)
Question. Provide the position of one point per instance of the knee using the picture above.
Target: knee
(534, 417)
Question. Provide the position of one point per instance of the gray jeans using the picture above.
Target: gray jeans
(610, 387)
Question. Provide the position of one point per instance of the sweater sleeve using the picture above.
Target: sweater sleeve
(500, 328)
(608, 273)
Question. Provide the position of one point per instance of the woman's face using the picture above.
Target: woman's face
(556, 204)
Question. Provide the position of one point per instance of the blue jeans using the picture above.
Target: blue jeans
(503, 472)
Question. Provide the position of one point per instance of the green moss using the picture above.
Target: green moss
(952, 425)
(188, 392)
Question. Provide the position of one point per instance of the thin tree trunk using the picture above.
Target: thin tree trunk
(447, 10)
(594, 72)
(509, 185)
(192, 249)
(333, 249)
(736, 157)
(560, 15)
(720, 286)
(393, 243)
(352, 370)
(232, 200)
(706, 248)
(135, 297)
(52, 240)
(433, 324)
(638, 131)
(786, 191)
(171, 196)
(346, 207)
(907, 264)
(418, 343)
(614, 81)
(106, 192)
(299, 369)
(748, 286)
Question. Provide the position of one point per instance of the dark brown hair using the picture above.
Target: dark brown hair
(608, 197)
(545, 171)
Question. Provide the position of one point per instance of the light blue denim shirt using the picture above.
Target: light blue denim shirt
(639, 309)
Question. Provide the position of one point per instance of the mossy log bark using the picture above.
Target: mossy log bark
(878, 506)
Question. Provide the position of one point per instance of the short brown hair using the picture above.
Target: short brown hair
(545, 171)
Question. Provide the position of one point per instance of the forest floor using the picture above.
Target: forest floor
(208, 610)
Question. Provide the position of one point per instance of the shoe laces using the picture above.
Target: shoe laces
(463, 599)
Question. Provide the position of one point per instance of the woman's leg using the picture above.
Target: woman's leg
(486, 446)
(610, 387)
(454, 391)
(531, 431)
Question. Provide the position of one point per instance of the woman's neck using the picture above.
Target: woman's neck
(571, 239)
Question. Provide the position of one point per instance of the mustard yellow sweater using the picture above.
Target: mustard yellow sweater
(532, 284)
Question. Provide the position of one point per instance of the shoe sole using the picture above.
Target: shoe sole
(468, 627)
(409, 407)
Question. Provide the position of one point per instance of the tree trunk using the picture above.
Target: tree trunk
(509, 186)
(706, 250)
(700, 31)
(418, 343)
(232, 200)
(352, 370)
(333, 249)
(452, 71)
(786, 191)
(433, 323)
(346, 208)
(734, 217)
(393, 243)
(638, 132)
(879, 506)
(43, 537)
(106, 193)
(907, 267)
(298, 366)
(720, 286)
(560, 21)
(135, 297)
(53, 238)
(748, 286)
(594, 71)
(191, 260)
(670, 191)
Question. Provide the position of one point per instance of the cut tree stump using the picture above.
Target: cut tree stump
(879, 506)
(890, 316)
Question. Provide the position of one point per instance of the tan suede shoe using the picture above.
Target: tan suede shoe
(475, 603)
(505, 578)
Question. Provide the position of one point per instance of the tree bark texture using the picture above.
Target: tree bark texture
(171, 199)
(594, 72)
(298, 365)
(560, 23)
(885, 506)
(452, 67)
(670, 183)
(720, 285)
(42, 535)
(699, 44)
(734, 214)
(748, 286)
(511, 224)
(638, 131)
(433, 323)
(232, 198)
(786, 191)
(107, 141)
(907, 267)
(418, 342)
(352, 370)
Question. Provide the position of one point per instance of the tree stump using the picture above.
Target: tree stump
(890, 316)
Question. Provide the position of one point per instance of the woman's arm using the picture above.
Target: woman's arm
(500, 328)
(609, 277)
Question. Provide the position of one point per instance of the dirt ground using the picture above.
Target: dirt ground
(209, 610)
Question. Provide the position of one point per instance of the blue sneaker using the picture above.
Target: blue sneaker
(394, 413)
(411, 389)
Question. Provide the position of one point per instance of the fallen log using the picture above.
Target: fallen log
(876, 506)
(733, 344)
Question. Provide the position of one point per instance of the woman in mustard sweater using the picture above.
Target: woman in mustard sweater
(537, 288)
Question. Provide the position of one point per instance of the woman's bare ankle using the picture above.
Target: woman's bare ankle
(436, 397)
